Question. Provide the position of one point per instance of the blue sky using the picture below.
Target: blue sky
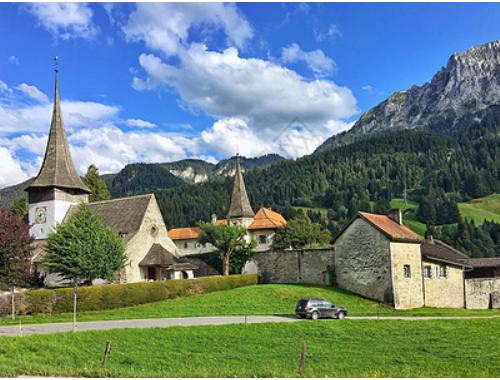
(162, 82)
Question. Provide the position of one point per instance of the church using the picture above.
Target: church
(260, 226)
(58, 190)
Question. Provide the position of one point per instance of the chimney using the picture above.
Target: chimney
(430, 239)
(396, 215)
(213, 218)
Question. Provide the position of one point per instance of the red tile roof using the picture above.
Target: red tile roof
(184, 233)
(391, 228)
(267, 219)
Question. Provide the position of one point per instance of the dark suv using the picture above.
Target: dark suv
(316, 308)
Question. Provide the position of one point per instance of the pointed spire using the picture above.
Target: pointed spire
(57, 168)
(240, 205)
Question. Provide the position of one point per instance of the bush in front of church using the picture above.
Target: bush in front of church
(112, 296)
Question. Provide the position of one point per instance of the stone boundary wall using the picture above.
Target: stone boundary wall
(481, 292)
(309, 266)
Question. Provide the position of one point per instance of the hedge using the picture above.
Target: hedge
(112, 296)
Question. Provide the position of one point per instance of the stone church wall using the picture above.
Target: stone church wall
(480, 292)
(362, 262)
(310, 266)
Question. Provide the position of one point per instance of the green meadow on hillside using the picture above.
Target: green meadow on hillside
(346, 348)
(270, 299)
(481, 209)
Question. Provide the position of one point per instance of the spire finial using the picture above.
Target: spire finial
(56, 61)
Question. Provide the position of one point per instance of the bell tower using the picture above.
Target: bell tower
(57, 186)
(240, 211)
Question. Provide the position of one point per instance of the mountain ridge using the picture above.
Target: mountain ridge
(466, 89)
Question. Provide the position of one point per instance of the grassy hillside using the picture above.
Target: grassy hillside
(481, 209)
(249, 300)
(347, 348)
(409, 219)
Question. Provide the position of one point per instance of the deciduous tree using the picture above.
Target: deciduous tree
(230, 240)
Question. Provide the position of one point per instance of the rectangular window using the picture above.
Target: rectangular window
(406, 271)
(427, 271)
(443, 271)
(262, 239)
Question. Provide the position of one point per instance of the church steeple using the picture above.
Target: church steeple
(57, 168)
(240, 205)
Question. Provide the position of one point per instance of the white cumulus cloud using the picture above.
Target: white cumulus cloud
(33, 92)
(165, 26)
(11, 171)
(316, 60)
(65, 20)
(140, 123)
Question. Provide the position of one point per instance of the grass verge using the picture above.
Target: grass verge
(463, 348)
(250, 300)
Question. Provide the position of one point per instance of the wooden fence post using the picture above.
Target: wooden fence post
(303, 358)
(105, 354)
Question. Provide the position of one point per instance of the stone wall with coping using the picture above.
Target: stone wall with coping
(309, 266)
(480, 292)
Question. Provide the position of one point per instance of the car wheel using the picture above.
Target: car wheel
(315, 316)
(341, 315)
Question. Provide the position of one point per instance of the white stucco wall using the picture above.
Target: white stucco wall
(55, 212)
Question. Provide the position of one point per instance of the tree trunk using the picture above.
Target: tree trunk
(225, 264)
(75, 294)
(13, 302)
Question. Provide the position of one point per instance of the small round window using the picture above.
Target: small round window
(154, 230)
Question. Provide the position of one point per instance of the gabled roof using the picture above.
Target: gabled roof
(390, 228)
(437, 250)
(240, 205)
(184, 233)
(158, 255)
(190, 232)
(123, 215)
(57, 168)
(267, 219)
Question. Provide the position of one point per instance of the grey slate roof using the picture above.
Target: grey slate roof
(57, 168)
(123, 215)
(158, 255)
(484, 262)
(240, 205)
(440, 251)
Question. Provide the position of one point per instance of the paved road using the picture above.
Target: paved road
(50, 328)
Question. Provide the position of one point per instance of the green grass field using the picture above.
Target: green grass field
(250, 300)
(348, 348)
(481, 209)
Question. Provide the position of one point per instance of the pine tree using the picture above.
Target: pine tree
(19, 207)
(98, 188)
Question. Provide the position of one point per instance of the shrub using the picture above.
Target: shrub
(40, 301)
(6, 304)
(112, 296)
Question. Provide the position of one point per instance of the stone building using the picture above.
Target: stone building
(261, 226)
(58, 190)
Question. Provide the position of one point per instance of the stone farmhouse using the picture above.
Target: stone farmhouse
(379, 258)
(261, 226)
(58, 190)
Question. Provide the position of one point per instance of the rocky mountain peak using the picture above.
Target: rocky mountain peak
(468, 86)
